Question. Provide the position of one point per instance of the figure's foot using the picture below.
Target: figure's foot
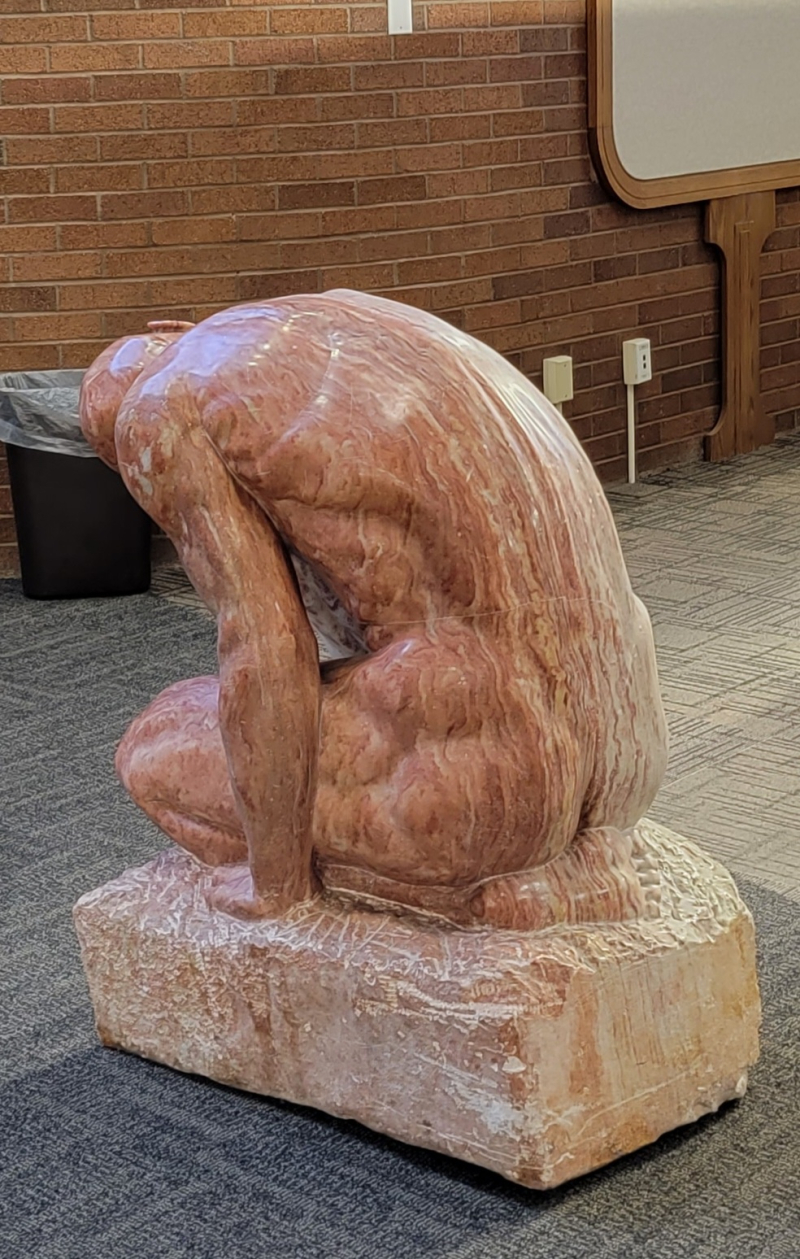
(596, 879)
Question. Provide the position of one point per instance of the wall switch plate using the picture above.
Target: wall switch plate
(558, 378)
(637, 363)
(401, 17)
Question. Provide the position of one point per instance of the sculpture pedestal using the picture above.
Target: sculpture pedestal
(540, 1056)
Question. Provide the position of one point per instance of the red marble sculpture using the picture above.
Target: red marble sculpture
(492, 730)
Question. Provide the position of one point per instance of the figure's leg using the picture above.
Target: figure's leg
(173, 764)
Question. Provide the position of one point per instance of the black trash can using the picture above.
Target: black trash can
(80, 533)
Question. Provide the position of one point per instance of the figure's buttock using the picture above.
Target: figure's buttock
(436, 761)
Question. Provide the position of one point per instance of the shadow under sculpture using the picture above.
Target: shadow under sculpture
(414, 885)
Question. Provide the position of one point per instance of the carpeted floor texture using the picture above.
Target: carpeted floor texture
(104, 1156)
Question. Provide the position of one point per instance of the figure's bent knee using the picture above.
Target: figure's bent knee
(183, 715)
(172, 763)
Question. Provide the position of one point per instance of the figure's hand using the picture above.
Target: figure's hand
(232, 891)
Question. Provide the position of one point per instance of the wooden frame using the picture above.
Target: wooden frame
(648, 194)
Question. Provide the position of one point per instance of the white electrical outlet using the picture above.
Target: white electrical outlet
(401, 17)
(558, 378)
(637, 365)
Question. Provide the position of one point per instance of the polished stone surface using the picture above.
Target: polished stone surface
(500, 696)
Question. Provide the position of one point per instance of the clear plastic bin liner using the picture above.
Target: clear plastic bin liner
(40, 410)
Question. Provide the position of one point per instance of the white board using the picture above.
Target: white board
(692, 99)
(705, 85)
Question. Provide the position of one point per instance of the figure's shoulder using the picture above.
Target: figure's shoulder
(325, 371)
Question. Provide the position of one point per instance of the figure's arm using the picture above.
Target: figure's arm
(269, 718)
(269, 673)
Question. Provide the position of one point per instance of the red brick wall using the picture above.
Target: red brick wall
(165, 157)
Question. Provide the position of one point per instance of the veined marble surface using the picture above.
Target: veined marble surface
(499, 704)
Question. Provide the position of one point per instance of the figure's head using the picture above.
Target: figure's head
(110, 377)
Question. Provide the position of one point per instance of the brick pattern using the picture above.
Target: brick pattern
(168, 157)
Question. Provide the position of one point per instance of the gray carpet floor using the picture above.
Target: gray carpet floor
(103, 1156)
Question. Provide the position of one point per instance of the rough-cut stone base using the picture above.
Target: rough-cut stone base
(538, 1055)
